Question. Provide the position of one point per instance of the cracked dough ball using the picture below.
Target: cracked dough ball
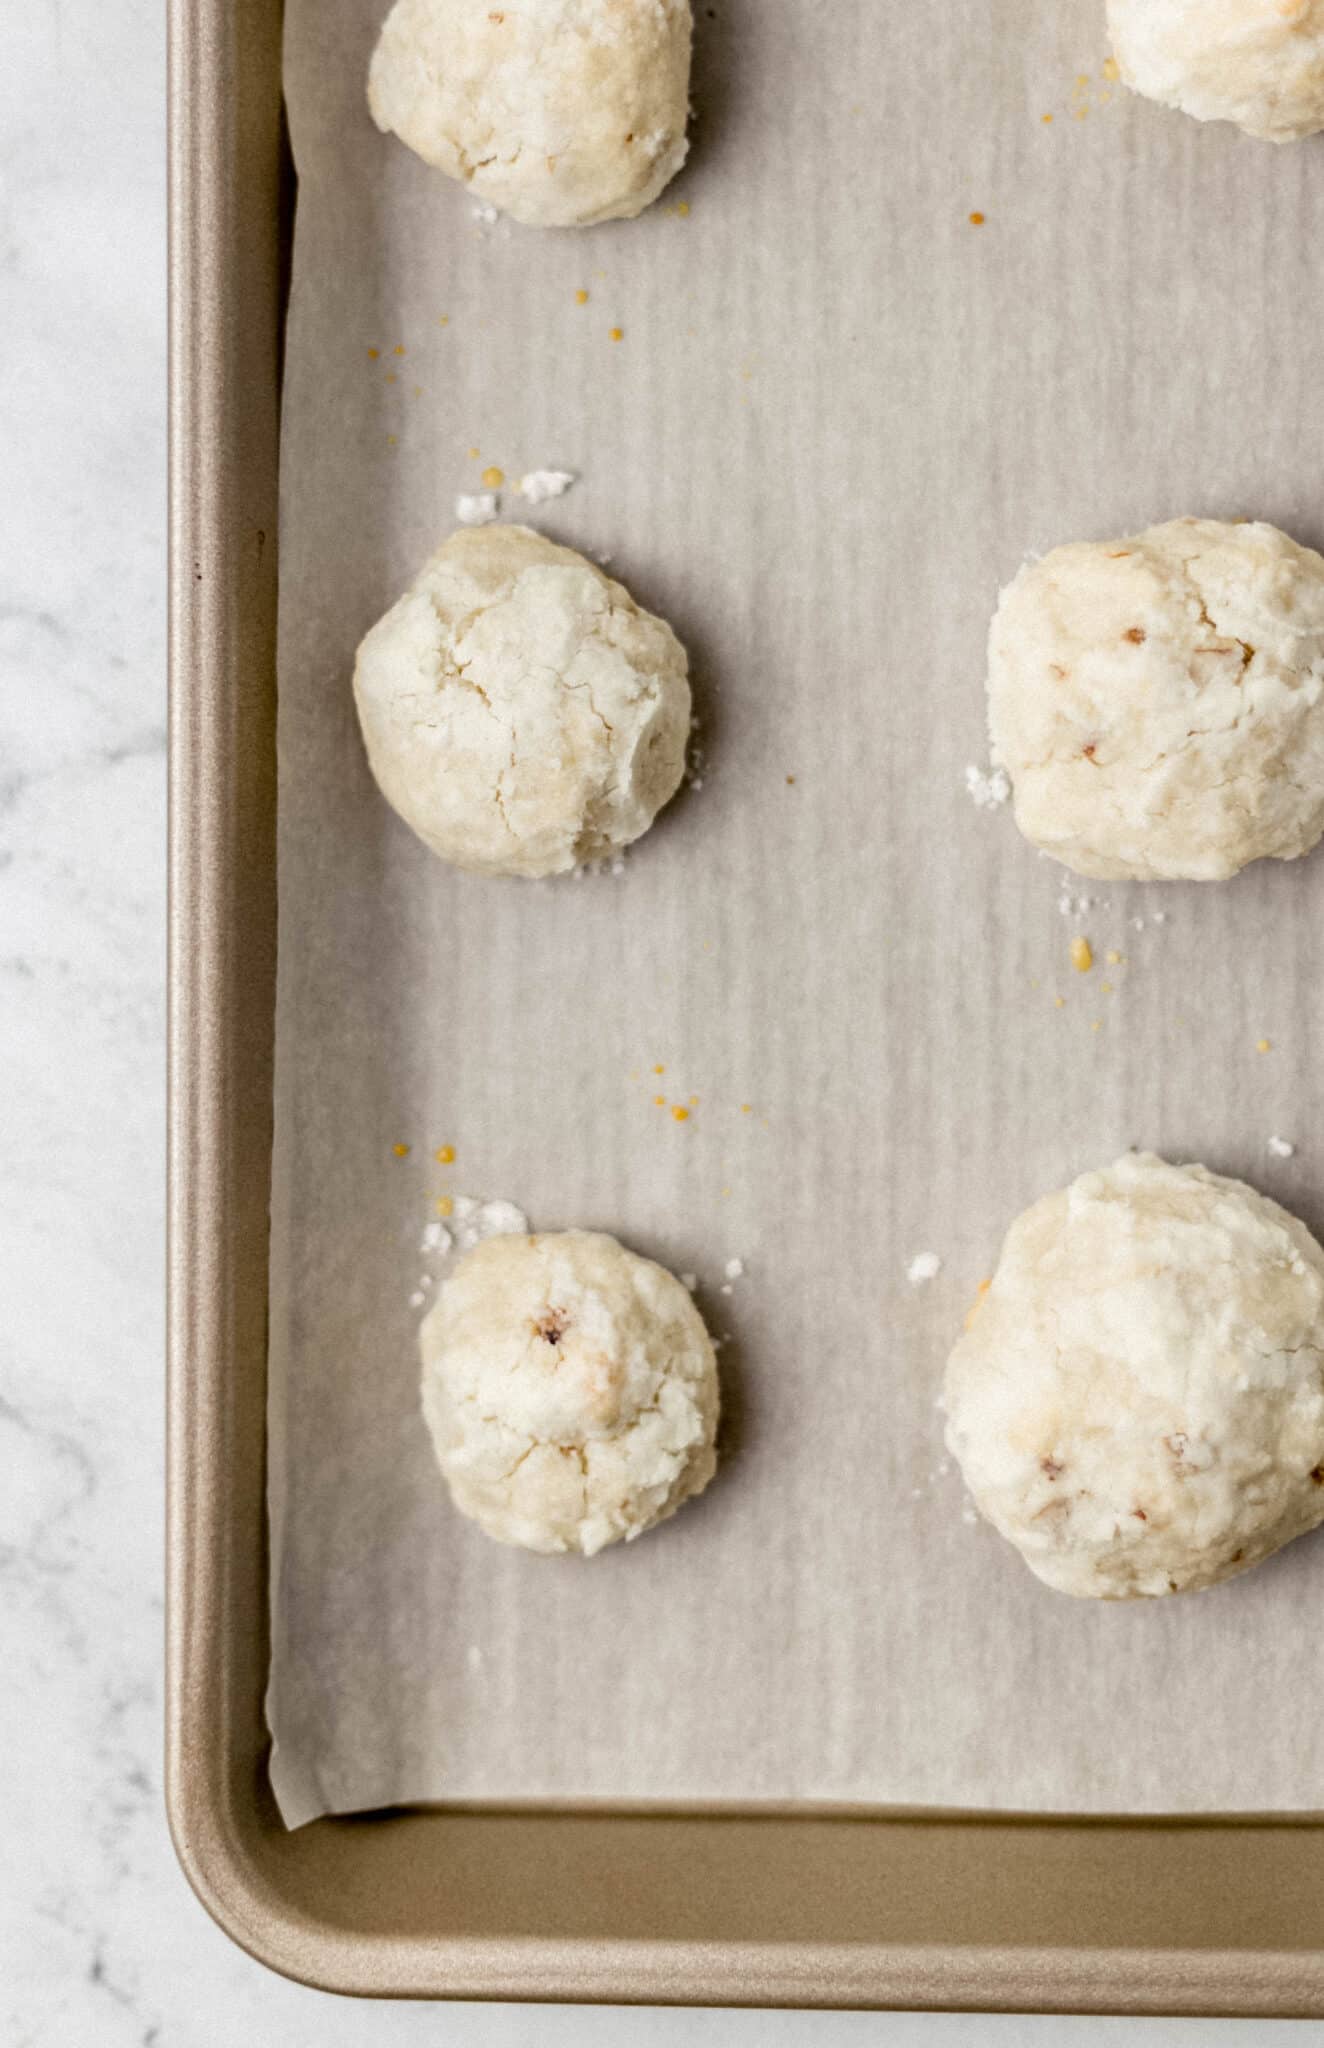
(1259, 63)
(1157, 701)
(1138, 1401)
(571, 1391)
(520, 711)
(560, 112)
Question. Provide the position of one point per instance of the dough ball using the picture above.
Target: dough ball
(520, 711)
(571, 1391)
(560, 112)
(1259, 63)
(1157, 701)
(1138, 1401)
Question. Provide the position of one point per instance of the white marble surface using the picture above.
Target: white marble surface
(100, 1940)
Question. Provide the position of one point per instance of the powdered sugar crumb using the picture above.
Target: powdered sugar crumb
(1282, 1148)
(987, 789)
(476, 508)
(540, 485)
(925, 1266)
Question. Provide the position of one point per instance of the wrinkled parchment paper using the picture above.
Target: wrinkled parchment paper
(839, 415)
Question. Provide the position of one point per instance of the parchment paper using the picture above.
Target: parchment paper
(840, 415)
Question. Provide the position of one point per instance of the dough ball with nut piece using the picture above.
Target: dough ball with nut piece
(1137, 1403)
(520, 711)
(571, 1391)
(562, 113)
(1259, 63)
(1158, 702)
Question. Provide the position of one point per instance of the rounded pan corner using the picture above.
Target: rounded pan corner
(224, 1872)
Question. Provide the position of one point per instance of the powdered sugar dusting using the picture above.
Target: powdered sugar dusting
(472, 1221)
(476, 1221)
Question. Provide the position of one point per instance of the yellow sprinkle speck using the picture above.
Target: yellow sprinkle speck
(373, 354)
(1111, 69)
(390, 376)
(660, 1101)
(1047, 120)
(680, 1113)
(581, 298)
(659, 1070)
(1114, 957)
(473, 454)
(1105, 988)
(1082, 955)
(694, 1102)
(746, 1109)
(445, 1206)
(1059, 1002)
(1082, 80)
(1264, 1045)
(443, 319)
(1097, 1025)
(682, 209)
(399, 349)
(418, 390)
(493, 478)
(446, 1155)
(391, 440)
(1081, 113)
(617, 334)
(400, 1151)
(976, 220)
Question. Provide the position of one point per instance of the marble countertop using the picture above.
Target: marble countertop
(101, 1943)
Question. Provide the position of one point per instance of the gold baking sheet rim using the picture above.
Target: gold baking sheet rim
(788, 1907)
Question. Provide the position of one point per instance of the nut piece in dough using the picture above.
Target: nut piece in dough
(571, 1391)
(1157, 701)
(1259, 63)
(1138, 1401)
(520, 711)
(561, 113)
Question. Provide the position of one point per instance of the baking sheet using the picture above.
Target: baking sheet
(840, 413)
